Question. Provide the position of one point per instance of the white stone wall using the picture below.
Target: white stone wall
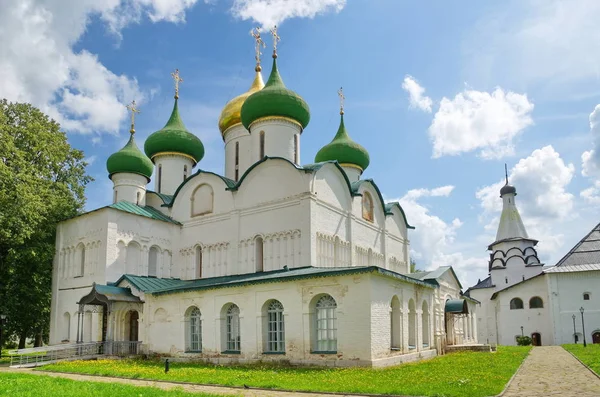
(566, 299)
(515, 270)
(172, 172)
(129, 187)
(279, 138)
(246, 158)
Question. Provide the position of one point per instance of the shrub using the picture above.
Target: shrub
(524, 340)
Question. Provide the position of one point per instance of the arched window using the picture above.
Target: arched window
(259, 258)
(275, 328)
(262, 145)
(185, 172)
(133, 258)
(193, 331)
(138, 196)
(296, 147)
(198, 262)
(516, 303)
(202, 200)
(396, 325)
(232, 331)
(153, 262)
(536, 303)
(325, 321)
(367, 207)
(115, 197)
(159, 177)
(237, 161)
(586, 296)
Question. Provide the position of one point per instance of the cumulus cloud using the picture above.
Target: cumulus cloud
(416, 94)
(39, 65)
(273, 12)
(476, 120)
(541, 180)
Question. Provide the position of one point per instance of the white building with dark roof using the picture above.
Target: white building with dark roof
(520, 296)
(274, 260)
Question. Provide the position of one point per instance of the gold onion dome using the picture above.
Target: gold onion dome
(232, 112)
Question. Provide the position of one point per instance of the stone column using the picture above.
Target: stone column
(419, 330)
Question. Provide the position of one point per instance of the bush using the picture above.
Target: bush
(524, 340)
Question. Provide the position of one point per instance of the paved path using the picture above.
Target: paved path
(552, 371)
(167, 385)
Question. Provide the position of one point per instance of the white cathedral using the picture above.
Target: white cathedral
(274, 260)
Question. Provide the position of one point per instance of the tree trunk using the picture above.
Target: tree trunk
(22, 340)
(38, 340)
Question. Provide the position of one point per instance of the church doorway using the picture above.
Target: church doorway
(536, 339)
(133, 326)
(596, 337)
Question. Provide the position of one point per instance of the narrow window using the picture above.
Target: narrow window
(82, 263)
(275, 328)
(367, 207)
(259, 258)
(296, 160)
(262, 145)
(516, 303)
(325, 313)
(185, 172)
(198, 262)
(233, 328)
(395, 325)
(137, 200)
(115, 197)
(536, 303)
(586, 296)
(159, 177)
(194, 331)
(153, 262)
(237, 161)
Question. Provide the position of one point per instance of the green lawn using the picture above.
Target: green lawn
(589, 355)
(466, 374)
(25, 385)
(5, 360)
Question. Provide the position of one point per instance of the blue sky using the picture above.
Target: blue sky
(441, 93)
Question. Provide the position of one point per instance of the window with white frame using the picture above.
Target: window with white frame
(194, 330)
(232, 329)
(325, 321)
(275, 328)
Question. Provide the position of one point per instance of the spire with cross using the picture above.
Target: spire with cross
(276, 39)
(258, 43)
(342, 97)
(178, 80)
(133, 109)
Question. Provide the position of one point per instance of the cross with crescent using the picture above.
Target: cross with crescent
(342, 97)
(133, 109)
(178, 80)
(259, 42)
(276, 38)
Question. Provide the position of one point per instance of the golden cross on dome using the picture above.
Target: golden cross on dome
(276, 38)
(342, 97)
(178, 80)
(133, 109)
(259, 42)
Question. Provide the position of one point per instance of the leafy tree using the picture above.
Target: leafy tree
(413, 266)
(524, 341)
(42, 181)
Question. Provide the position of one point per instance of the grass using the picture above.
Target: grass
(465, 374)
(589, 355)
(25, 385)
(5, 360)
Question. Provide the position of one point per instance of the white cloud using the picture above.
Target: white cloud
(273, 12)
(544, 42)
(591, 195)
(476, 120)
(38, 63)
(541, 180)
(415, 92)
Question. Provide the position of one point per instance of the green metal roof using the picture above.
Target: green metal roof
(166, 198)
(432, 276)
(456, 306)
(343, 149)
(104, 294)
(146, 211)
(174, 137)
(129, 159)
(275, 100)
(168, 286)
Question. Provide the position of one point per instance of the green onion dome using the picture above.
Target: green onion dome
(275, 100)
(129, 159)
(343, 149)
(174, 138)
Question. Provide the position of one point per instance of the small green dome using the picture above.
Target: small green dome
(174, 138)
(343, 149)
(129, 159)
(275, 100)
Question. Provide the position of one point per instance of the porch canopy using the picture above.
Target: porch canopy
(107, 294)
(456, 306)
